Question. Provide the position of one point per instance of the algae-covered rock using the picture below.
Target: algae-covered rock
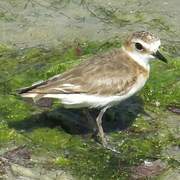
(40, 39)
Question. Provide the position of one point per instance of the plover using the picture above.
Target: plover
(103, 80)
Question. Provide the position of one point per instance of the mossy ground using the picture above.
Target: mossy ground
(139, 129)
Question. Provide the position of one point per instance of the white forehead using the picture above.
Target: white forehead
(153, 46)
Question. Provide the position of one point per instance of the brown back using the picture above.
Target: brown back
(108, 74)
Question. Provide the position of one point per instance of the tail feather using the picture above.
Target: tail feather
(35, 98)
(35, 85)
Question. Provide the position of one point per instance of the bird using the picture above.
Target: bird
(104, 80)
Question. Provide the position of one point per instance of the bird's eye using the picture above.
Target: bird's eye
(139, 46)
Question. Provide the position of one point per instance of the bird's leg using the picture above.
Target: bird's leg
(90, 119)
(97, 127)
(100, 132)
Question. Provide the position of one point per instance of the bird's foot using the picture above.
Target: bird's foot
(100, 138)
(105, 142)
(112, 148)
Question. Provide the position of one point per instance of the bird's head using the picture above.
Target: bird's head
(143, 46)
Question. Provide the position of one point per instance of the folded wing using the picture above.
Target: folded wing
(105, 75)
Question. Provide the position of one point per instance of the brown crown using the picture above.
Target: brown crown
(145, 36)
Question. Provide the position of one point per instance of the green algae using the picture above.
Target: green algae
(163, 86)
(44, 133)
(4, 16)
(142, 131)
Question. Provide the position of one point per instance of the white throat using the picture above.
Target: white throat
(141, 59)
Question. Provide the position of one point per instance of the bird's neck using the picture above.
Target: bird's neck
(141, 59)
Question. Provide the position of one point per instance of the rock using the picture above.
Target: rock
(172, 174)
(148, 169)
(18, 170)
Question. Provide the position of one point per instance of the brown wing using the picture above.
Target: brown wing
(111, 73)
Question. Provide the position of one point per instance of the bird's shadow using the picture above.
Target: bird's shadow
(74, 121)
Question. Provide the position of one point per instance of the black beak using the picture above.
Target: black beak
(158, 55)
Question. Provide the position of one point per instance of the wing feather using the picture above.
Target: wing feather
(112, 73)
